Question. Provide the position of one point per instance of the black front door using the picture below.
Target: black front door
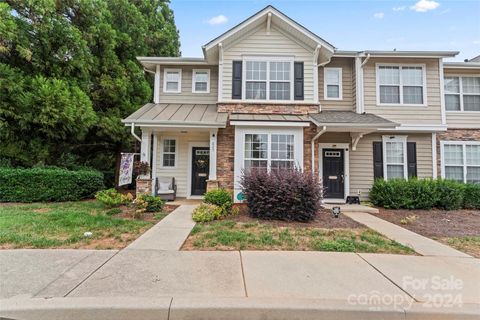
(200, 170)
(333, 173)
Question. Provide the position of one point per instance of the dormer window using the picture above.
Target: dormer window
(268, 79)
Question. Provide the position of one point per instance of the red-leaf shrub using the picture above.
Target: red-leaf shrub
(281, 194)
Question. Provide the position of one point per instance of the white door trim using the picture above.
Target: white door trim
(346, 163)
(189, 166)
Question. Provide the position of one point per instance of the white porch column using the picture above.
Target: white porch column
(146, 145)
(213, 155)
(156, 86)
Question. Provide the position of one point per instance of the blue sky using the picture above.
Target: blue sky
(348, 25)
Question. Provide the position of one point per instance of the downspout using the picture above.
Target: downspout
(366, 60)
(324, 129)
(132, 131)
(146, 70)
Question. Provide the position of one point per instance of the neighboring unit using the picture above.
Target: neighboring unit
(269, 93)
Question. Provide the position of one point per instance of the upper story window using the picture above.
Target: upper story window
(333, 83)
(268, 80)
(172, 80)
(201, 81)
(401, 85)
(462, 93)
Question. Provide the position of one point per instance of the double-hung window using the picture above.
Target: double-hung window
(395, 157)
(172, 80)
(461, 161)
(333, 83)
(462, 93)
(169, 153)
(269, 151)
(268, 80)
(400, 85)
(201, 81)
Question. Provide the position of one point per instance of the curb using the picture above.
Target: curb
(168, 308)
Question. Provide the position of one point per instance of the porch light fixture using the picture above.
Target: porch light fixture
(336, 211)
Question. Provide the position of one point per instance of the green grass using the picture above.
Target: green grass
(231, 235)
(468, 244)
(63, 225)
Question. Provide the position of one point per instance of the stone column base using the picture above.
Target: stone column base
(212, 184)
(144, 186)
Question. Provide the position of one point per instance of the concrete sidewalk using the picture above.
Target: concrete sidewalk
(423, 245)
(169, 234)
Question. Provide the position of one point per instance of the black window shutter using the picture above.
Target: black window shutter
(377, 160)
(237, 80)
(412, 159)
(298, 84)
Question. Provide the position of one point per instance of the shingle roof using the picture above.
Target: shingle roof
(348, 118)
(268, 117)
(192, 115)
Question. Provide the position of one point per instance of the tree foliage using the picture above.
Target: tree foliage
(68, 75)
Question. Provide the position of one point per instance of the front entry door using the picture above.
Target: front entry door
(333, 173)
(200, 170)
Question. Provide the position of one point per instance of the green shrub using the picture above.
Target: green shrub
(48, 184)
(417, 194)
(113, 198)
(450, 194)
(206, 212)
(219, 197)
(154, 204)
(471, 198)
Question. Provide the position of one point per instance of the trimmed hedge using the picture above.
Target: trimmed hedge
(425, 194)
(289, 195)
(48, 184)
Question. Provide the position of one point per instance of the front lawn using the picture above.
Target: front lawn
(323, 234)
(62, 225)
(459, 229)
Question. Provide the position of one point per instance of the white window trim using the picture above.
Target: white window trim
(464, 150)
(162, 139)
(390, 138)
(424, 84)
(179, 90)
(194, 72)
(460, 93)
(240, 148)
(325, 84)
(268, 59)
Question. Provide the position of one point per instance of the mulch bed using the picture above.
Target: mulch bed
(436, 223)
(324, 219)
(127, 212)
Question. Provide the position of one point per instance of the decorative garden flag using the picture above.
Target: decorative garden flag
(126, 169)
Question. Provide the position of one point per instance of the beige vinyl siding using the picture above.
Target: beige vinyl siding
(181, 171)
(348, 86)
(186, 95)
(361, 161)
(456, 119)
(428, 115)
(274, 44)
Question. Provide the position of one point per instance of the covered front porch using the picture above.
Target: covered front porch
(179, 141)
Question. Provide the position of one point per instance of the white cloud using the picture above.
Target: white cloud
(379, 15)
(401, 8)
(220, 19)
(425, 5)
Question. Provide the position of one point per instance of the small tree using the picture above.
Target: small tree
(285, 194)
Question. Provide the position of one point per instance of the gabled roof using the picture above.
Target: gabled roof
(275, 17)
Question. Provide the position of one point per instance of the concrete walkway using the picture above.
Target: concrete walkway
(422, 245)
(169, 234)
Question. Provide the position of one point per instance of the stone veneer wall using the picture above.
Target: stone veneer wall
(225, 157)
(308, 134)
(267, 108)
(454, 135)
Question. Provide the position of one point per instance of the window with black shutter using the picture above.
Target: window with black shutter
(377, 160)
(298, 80)
(412, 159)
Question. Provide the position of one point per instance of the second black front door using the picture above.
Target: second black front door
(200, 170)
(333, 173)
